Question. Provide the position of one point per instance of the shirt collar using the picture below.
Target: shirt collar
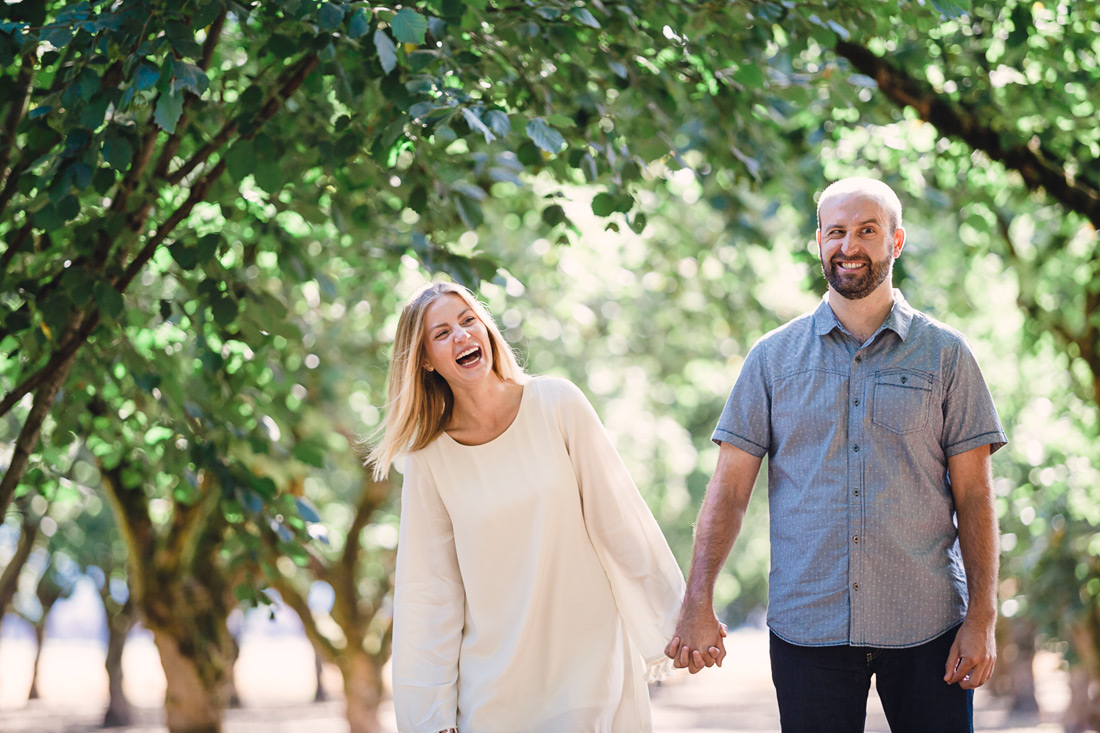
(897, 320)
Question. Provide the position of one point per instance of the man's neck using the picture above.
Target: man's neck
(862, 317)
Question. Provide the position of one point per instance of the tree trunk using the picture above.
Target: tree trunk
(318, 667)
(49, 593)
(1083, 712)
(196, 691)
(1022, 676)
(362, 690)
(39, 637)
(119, 712)
(9, 579)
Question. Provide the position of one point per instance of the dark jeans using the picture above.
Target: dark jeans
(823, 689)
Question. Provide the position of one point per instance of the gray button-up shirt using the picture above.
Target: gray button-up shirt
(864, 543)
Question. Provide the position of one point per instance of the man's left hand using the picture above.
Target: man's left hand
(972, 656)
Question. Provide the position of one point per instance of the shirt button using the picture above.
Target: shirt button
(856, 539)
(855, 586)
(904, 380)
(856, 402)
(859, 358)
(856, 492)
(855, 448)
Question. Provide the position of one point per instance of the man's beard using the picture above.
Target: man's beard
(856, 287)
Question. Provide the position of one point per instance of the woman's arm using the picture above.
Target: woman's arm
(644, 576)
(429, 609)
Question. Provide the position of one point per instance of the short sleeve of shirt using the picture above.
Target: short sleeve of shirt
(969, 417)
(745, 421)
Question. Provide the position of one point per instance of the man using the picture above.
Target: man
(878, 428)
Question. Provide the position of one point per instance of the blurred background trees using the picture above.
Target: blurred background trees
(211, 211)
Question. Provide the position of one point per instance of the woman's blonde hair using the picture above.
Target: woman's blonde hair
(420, 402)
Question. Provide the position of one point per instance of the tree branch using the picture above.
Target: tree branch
(171, 147)
(230, 128)
(16, 109)
(1036, 168)
(50, 378)
(9, 579)
(189, 524)
(297, 602)
(131, 510)
(73, 338)
(32, 428)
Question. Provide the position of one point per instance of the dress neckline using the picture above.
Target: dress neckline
(522, 401)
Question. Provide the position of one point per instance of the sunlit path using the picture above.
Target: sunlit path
(275, 679)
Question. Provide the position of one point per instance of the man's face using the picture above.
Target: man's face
(856, 245)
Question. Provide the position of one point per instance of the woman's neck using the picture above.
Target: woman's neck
(483, 405)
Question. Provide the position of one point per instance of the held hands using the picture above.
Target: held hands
(970, 662)
(698, 642)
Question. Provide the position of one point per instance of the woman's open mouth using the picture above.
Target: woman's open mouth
(469, 357)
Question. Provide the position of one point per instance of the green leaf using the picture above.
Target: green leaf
(68, 208)
(241, 159)
(387, 51)
(57, 35)
(468, 211)
(206, 14)
(146, 76)
(498, 122)
(749, 75)
(306, 510)
(544, 136)
(477, 125)
(118, 152)
(585, 17)
(951, 8)
(108, 299)
(185, 254)
(330, 17)
(560, 120)
(190, 77)
(169, 109)
(418, 199)
(553, 215)
(359, 24)
(409, 26)
(603, 204)
(224, 310)
(309, 454)
(158, 434)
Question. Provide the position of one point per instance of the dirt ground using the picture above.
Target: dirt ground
(275, 677)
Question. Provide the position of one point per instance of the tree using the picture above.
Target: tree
(162, 168)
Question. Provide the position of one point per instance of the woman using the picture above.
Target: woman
(534, 590)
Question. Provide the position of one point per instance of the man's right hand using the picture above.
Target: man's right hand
(699, 640)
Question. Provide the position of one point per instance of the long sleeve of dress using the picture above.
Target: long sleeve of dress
(429, 609)
(646, 581)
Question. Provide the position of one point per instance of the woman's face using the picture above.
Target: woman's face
(456, 342)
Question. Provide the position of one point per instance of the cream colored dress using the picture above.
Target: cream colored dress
(534, 590)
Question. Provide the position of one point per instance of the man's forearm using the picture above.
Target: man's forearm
(719, 521)
(979, 536)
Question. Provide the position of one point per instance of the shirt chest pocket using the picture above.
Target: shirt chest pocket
(901, 401)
